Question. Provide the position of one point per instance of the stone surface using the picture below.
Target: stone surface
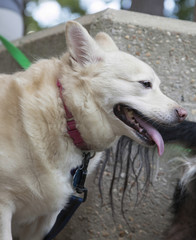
(167, 45)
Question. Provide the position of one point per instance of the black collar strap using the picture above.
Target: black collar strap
(79, 177)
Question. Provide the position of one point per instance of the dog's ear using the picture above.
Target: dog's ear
(106, 42)
(81, 46)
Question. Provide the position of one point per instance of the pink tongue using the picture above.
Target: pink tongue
(155, 135)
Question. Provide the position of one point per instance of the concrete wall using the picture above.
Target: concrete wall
(169, 46)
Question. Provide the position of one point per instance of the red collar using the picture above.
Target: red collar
(71, 124)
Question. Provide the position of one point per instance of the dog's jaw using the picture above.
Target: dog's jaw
(154, 134)
(144, 132)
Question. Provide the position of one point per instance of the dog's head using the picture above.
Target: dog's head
(122, 90)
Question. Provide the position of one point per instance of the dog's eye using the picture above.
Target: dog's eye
(146, 84)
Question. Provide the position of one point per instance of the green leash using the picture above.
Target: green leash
(20, 58)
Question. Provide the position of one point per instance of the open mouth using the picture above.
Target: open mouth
(140, 124)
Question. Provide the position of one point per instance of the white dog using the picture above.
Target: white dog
(105, 92)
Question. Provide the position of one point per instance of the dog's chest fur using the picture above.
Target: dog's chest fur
(36, 156)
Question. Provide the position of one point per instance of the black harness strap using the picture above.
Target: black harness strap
(64, 217)
(79, 177)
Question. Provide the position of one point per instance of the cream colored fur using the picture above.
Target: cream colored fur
(36, 152)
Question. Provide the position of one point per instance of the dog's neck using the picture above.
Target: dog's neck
(71, 124)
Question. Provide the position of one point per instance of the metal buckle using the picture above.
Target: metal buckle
(80, 175)
(70, 119)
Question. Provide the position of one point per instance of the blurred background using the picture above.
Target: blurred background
(39, 14)
(21, 17)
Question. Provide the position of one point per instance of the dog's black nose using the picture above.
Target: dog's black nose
(181, 114)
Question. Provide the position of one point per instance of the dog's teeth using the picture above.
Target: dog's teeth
(133, 120)
(130, 113)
